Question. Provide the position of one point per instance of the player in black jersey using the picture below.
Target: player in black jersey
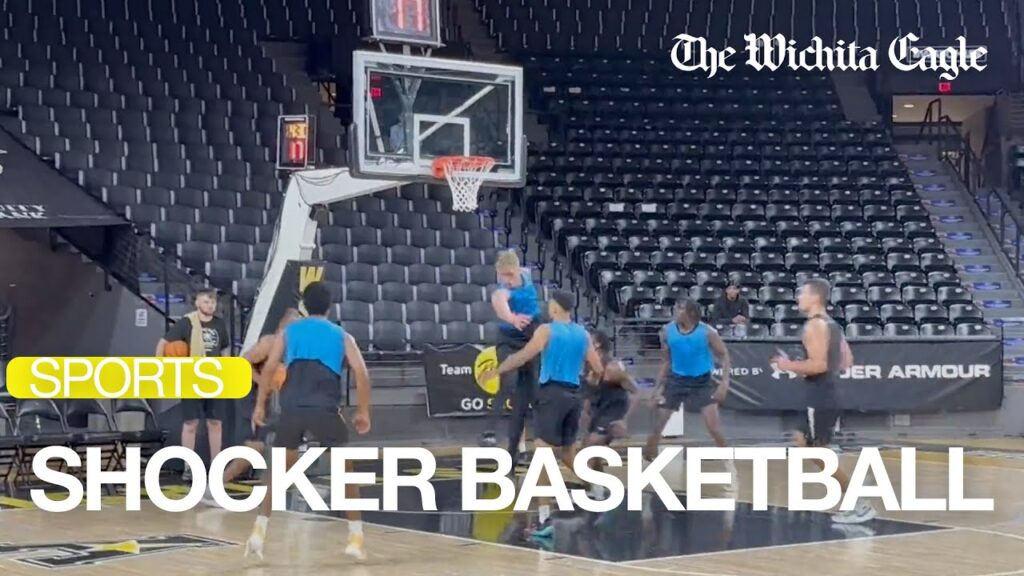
(610, 397)
(828, 355)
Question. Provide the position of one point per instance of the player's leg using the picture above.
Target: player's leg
(290, 431)
(547, 434)
(672, 399)
(521, 406)
(713, 423)
(215, 417)
(503, 350)
(328, 427)
(821, 425)
(191, 411)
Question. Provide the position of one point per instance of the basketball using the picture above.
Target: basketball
(176, 349)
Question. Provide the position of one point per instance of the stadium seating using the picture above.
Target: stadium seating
(657, 185)
(613, 29)
(168, 111)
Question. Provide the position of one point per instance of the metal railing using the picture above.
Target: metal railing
(1003, 216)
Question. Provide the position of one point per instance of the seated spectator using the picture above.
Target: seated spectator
(733, 310)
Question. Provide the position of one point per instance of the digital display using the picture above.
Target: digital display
(406, 21)
(294, 142)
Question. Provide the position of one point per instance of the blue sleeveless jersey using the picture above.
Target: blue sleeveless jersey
(315, 339)
(522, 300)
(690, 353)
(565, 354)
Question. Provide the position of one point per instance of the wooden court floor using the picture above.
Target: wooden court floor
(209, 541)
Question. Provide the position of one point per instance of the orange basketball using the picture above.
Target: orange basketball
(176, 349)
(280, 375)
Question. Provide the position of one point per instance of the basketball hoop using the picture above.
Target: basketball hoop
(464, 174)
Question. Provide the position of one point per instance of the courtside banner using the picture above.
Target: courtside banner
(887, 376)
(452, 389)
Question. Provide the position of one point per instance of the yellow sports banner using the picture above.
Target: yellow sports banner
(128, 377)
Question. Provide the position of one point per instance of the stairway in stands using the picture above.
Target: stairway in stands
(984, 268)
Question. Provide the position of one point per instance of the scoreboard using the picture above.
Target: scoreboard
(413, 22)
(295, 141)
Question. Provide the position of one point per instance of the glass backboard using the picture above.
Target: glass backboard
(408, 110)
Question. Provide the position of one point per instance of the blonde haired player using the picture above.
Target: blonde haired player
(517, 306)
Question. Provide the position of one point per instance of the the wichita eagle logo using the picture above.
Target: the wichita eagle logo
(73, 554)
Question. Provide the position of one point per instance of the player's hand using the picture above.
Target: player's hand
(361, 422)
(521, 321)
(721, 392)
(259, 413)
(781, 363)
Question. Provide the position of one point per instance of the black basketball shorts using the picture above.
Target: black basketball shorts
(693, 393)
(604, 413)
(297, 426)
(820, 425)
(556, 413)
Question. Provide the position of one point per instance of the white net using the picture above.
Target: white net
(465, 175)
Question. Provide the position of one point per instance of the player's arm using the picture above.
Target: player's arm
(666, 361)
(616, 372)
(815, 341)
(847, 356)
(532, 349)
(177, 331)
(499, 301)
(594, 360)
(721, 352)
(354, 358)
(273, 361)
(258, 354)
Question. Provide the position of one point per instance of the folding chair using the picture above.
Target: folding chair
(9, 443)
(149, 439)
(39, 423)
(108, 439)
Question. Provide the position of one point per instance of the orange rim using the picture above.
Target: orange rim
(459, 164)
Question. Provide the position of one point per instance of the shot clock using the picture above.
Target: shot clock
(412, 22)
(295, 142)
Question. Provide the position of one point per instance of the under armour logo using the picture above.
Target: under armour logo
(777, 374)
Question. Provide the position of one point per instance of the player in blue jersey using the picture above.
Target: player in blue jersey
(565, 348)
(314, 351)
(691, 350)
(517, 306)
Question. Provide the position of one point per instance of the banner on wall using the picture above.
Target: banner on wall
(452, 389)
(887, 376)
(958, 376)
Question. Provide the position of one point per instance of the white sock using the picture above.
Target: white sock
(261, 522)
(355, 527)
(545, 512)
(522, 447)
